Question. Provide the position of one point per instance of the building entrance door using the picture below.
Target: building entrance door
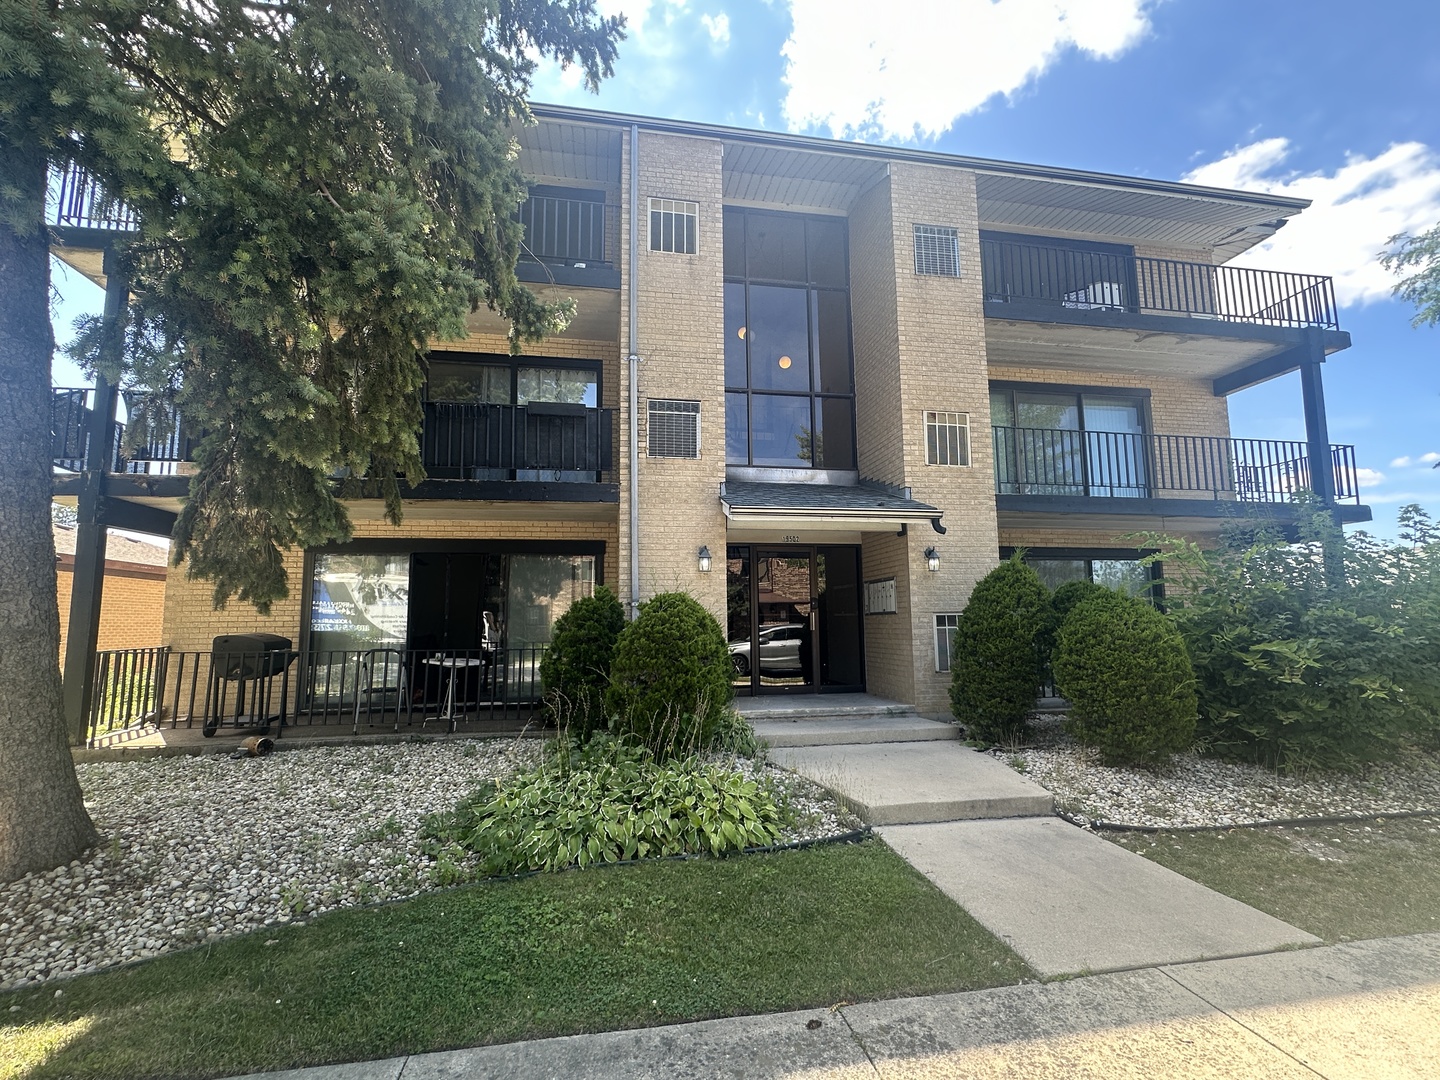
(794, 618)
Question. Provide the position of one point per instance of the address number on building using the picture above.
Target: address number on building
(789, 538)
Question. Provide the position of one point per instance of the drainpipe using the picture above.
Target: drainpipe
(634, 361)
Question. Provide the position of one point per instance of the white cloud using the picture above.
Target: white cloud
(1356, 209)
(910, 69)
(1367, 478)
(718, 27)
(1429, 459)
(1402, 462)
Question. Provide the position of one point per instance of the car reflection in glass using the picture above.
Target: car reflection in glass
(779, 651)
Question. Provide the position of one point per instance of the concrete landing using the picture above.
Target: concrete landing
(851, 731)
(819, 707)
(897, 783)
(1069, 902)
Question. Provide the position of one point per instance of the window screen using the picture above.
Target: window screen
(674, 428)
(673, 225)
(947, 438)
(937, 251)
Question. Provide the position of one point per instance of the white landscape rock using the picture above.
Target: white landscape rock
(198, 848)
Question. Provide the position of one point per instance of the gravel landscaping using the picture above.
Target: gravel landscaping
(198, 848)
(1204, 792)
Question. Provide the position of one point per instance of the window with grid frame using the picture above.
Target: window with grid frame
(945, 626)
(673, 429)
(937, 251)
(947, 438)
(674, 225)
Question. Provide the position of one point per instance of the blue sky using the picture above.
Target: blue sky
(1336, 102)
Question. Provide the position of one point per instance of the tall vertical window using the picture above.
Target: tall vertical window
(673, 226)
(790, 397)
(945, 626)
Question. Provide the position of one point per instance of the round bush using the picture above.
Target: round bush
(670, 679)
(994, 660)
(576, 667)
(1123, 667)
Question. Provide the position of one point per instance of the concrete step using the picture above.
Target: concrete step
(853, 730)
(821, 707)
(900, 783)
(1069, 902)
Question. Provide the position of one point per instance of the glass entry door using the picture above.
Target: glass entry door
(793, 619)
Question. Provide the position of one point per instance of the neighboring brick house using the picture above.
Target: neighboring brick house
(854, 375)
(133, 610)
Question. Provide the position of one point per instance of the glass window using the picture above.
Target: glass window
(825, 238)
(780, 431)
(1056, 572)
(835, 446)
(778, 336)
(1123, 575)
(1053, 412)
(564, 385)
(359, 601)
(945, 626)
(735, 331)
(541, 588)
(673, 226)
(737, 429)
(470, 384)
(832, 345)
(775, 247)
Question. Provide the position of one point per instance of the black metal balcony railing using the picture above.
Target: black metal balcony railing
(78, 201)
(539, 441)
(571, 232)
(1080, 280)
(1113, 464)
(71, 413)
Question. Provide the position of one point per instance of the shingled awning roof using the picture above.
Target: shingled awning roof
(863, 507)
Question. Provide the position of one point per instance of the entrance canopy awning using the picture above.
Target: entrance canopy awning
(857, 507)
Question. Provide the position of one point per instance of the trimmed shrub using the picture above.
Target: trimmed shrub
(576, 668)
(1062, 602)
(995, 663)
(670, 678)
(1123, 667)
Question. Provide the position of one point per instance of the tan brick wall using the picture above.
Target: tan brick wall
(680, 342)
(132, 605)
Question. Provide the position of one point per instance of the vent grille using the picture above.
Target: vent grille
(674, 428)
(937, 251)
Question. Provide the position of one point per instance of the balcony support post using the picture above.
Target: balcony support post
(1317, 433)
(88, 580)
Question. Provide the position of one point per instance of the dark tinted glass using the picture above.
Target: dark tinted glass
(735, 334)
(836, 418)
(775, 247)
(832, 354)
(737, 430)
(826, 241)
(781, 435)
(734, 243)
(778, 334)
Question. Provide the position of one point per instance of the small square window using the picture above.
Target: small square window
(937, 251)
(945, 626)
(947, 438)
(673, 429)
(673, 226)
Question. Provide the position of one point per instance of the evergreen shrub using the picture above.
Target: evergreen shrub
(1122, 666)
(575, 670)
(670, 678)
(995, 662)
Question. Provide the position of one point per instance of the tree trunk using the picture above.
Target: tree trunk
(43, 822)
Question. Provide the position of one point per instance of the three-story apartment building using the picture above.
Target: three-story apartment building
(824, 387)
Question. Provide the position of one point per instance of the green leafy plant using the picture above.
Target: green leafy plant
(994, 659)
(1122, 665)
(734, 735)
(603, 802)
(576, 667)
(670, 679)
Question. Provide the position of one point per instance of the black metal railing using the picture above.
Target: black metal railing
(1080, 280)
(570, 232)
(1114, 464)
(137, 691)
(78, 201)
(539, 441)
(71, 413)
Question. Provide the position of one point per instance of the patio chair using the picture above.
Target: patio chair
(382, 673)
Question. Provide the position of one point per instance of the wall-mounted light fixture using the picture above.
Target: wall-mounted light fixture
(932, 559)
(704, 559)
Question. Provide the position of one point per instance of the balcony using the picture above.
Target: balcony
(1099, 307)
(569, 240)
(1048, 471)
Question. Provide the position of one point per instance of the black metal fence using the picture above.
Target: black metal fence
(1113, 464)
(1081, 280)
(78, 201)
(571, 232)
(137, 690)
(539, 441)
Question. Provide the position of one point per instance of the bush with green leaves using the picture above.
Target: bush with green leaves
(1321, 653)
(670, 679)
(605, 802)
(995, 662)
(1122, 666)
(576, 667)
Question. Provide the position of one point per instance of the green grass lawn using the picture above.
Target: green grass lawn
(1339, 882)
(547, 955)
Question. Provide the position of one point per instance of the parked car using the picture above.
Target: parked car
(779, 650)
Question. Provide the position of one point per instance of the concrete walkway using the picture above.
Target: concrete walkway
(1344, 1012)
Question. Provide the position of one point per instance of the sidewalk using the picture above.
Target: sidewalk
(1341, 1012)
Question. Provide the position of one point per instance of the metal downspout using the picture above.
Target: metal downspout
(634, 361)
